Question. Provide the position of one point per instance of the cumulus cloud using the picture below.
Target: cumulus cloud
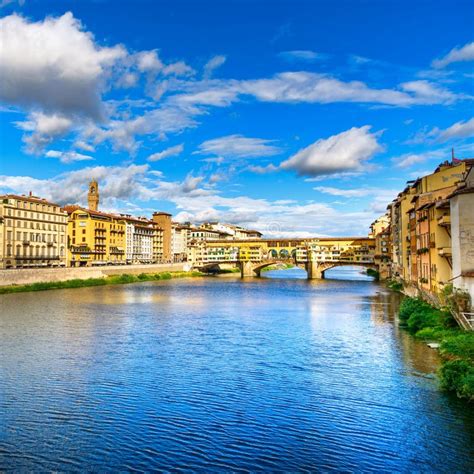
(348, 151)
(116, 182)
(156, 122)
(54, 65)
(459, 54)
(44, 129)
(171, 151)
(238, 146)
(194, 201)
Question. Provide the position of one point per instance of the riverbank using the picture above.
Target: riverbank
(107, 280)
(456, 345)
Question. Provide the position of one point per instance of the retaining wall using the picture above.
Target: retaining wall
(36, 275)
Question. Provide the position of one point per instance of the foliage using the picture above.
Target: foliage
(456, 299)
(458, 376)
(373, 273)
(456, 346)
(111, 280)
(395, 285)
(460, 345)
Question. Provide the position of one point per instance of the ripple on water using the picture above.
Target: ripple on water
(277, 374)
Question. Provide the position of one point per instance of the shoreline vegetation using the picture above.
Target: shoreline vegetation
(109, 280)
(456, 346)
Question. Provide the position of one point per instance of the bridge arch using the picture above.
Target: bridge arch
(323, 267)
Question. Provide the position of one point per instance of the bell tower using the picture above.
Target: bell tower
(93, 196)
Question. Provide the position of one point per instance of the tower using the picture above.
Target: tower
(93, 196)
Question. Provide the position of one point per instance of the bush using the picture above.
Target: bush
(395, 285)
(458, 376)
(460, 345)
(373, 273)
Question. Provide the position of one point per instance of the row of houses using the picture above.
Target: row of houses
(37, 233)
(426, 238)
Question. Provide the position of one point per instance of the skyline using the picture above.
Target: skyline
(270, 118)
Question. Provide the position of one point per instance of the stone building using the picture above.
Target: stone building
(32, 232)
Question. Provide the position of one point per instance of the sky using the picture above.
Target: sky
(295, 118)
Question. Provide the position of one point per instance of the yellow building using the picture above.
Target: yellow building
(95, 238)
(420, 228)
(32, 232)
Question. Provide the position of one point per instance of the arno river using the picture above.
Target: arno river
(272, 374)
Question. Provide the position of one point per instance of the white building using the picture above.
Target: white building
(140, 236)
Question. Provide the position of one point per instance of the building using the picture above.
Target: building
(95, 238)
(427, 230)
(461, 205)
(93, 196)
(140, 241)
(32, 232)
(162, 220)
(380, 231)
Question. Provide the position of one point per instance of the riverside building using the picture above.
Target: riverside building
(32, 232)
(431, 230)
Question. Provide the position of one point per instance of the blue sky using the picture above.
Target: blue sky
(292, 117)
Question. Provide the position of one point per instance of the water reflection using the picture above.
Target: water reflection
(278, 374)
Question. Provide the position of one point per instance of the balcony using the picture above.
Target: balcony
(26, 242)
(444, 221)
(445, 251)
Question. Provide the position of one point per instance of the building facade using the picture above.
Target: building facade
(32, 232)
(95, 238)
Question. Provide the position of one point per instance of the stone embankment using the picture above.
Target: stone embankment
(36, 275)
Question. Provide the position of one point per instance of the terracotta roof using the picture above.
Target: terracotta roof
(34, 199)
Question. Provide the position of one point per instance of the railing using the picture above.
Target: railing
(466, 320)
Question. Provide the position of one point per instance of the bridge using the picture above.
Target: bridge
(315, 255)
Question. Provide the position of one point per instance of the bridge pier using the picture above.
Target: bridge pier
(313, 270)
(246, 269)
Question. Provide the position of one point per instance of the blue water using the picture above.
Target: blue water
(274, 374)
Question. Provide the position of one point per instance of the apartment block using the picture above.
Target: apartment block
(32, 232)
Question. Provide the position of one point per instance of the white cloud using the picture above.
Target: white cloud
(157, 122)
(459, 130)
(44, 129)
(462, 129)
(148, 61)
(359, 192)
(410, 159)
(172, 151)
(214, 63)
(54, 65)
(302, 55)
(238, 146)
(425, 92)
(120, 187)
(464, 53)
(319, 88)
(67, 156)
(348, 151)
(380, 197)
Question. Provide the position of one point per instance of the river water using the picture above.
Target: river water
(215, 374)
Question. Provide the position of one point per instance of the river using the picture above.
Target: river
(273, 374)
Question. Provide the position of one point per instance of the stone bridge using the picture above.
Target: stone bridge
(316, 255)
